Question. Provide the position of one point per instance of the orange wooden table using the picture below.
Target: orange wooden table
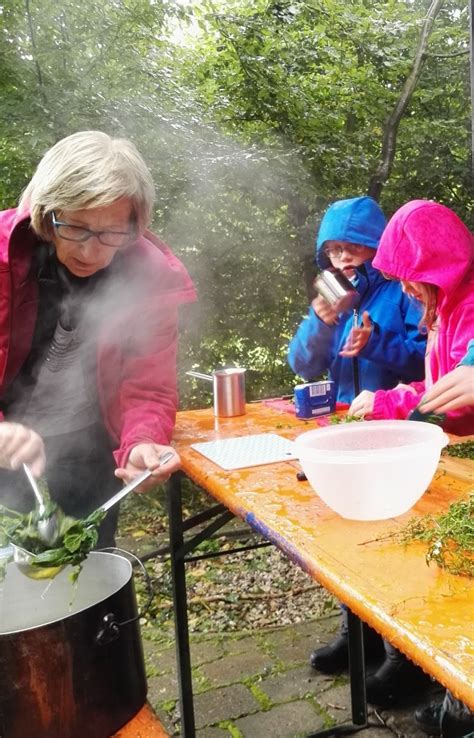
(144, 725)
(422, 610)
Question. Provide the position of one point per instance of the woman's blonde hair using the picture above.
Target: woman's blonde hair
(87, 170)
(429, 300)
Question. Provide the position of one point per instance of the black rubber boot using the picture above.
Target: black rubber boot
(436, 719)
(428, 718)
(334, 657)
(456, 727)
(397, 680)
(331, 658)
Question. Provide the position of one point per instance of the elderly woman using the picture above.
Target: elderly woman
(88, 326)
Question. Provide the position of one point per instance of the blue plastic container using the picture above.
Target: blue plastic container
(315, 398)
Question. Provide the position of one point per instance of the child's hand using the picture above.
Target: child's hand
(358, 337)
(324, 311)
(362, 405)
(454, 390)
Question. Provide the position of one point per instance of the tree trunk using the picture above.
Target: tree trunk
(384, 167)
(39, 73)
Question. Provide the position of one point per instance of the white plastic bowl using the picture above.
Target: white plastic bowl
(371, 470)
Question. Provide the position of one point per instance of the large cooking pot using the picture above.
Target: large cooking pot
(71, 660)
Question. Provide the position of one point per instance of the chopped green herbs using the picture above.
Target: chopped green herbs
(464, 450)
(336, 419)
(450, 537)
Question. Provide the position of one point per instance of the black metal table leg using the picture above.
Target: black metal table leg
(175, 513)
(357, 669)
(357, 683)
(178, 549)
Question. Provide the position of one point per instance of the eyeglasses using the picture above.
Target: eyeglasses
(336, 251)
(114, 239)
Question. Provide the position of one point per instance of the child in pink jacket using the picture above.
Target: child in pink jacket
(429, 249)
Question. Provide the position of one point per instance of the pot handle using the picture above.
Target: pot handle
(110, 629)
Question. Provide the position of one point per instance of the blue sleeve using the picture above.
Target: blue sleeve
(311, 350)
(401, 351)
(468, 360)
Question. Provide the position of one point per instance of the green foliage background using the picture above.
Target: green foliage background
(253, 115)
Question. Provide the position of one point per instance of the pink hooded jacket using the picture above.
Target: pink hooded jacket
(427, 242)
(136, 351)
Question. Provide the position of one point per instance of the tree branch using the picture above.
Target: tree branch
(384, 167)
(228, 595)
(448, 56)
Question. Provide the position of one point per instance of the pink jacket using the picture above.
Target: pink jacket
(136, 352)
(427, 242)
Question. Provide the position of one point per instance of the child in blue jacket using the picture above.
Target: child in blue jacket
(388, 345)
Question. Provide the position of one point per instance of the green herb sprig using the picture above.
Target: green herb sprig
(450, 537)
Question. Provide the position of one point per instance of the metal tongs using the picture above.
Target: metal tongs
(48, 530)
(166, 456)
(47, 527)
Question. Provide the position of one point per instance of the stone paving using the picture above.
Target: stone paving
(259, 685)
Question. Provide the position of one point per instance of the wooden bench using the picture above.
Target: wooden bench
(145, 724)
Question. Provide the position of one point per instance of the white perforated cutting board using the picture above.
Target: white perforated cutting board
(237, 453)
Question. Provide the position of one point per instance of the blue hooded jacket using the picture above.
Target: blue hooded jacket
(395, 350)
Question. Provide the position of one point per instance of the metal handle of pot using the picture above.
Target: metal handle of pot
(200, 375)
(110, 629)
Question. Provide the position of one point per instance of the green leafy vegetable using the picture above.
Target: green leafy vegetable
(76, 537)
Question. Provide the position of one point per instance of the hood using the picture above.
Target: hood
(426, 242)
(359, 220)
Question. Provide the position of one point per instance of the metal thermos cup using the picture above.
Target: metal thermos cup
(228, 389)
(229, 392)
(337, 290)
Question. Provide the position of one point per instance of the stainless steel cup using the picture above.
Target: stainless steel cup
(229, 392)
(337, 290)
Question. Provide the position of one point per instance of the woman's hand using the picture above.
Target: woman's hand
(324, 311)
(455, 389)
(147, 456)
(362, 405)
(21, 445)
(358, 337)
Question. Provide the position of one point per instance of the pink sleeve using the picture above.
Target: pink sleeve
(397, 403)
(148, 393)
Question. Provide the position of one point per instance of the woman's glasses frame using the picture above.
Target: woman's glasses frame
(80, 234)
